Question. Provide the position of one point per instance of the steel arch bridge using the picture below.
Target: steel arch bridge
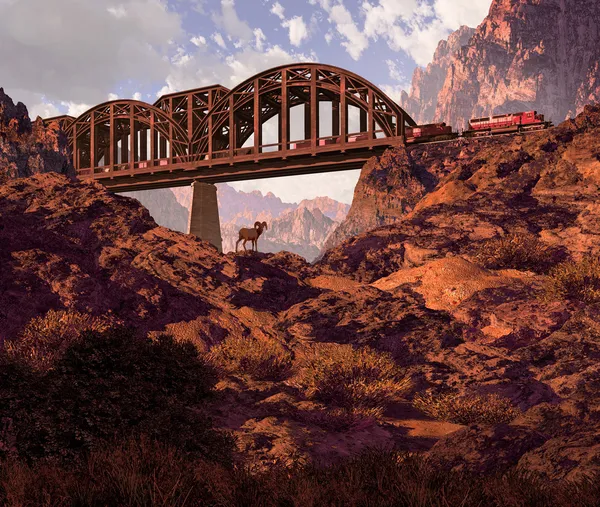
(294, 119)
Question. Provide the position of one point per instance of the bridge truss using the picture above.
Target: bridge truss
(294, 119)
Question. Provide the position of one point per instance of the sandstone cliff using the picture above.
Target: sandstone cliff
(526, 54)
(28, 148)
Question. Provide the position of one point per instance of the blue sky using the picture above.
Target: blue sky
(64, 56)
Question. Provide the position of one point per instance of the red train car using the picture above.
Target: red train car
(429, 133)
(505, 123)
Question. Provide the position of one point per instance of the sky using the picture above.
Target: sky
(65, 56)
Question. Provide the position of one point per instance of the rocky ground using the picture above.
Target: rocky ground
(415, 289)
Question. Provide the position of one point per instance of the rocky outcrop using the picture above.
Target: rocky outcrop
(526, 55)
(546, 183)
(28, 148)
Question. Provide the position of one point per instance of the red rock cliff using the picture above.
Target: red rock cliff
(28, 148)
(526, 54)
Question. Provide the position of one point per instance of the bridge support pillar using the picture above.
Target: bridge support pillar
(204, 214)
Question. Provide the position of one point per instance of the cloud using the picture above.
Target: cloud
(229, 20)
(278, 10)
(297, 30)
(455, 13)
(198, 41)
(76, 52)
(205, 69)
(354, 40)
(259, 39)
(218, 39)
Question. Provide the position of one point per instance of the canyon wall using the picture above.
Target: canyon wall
(526, 54)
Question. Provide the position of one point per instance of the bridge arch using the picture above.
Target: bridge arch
(123, 135)
(234, 126)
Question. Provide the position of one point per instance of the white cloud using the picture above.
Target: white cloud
(198, 41)
(137, 96)
(76, 109)
(76, 52)
(218, 39)
(259, 39)
(113, 96)
(118, 12)
(234, 27)
(329, 37)
(43, 109)
(297, 30)
(354, 40)
(278, 10)
(204, 69)
(455, 13)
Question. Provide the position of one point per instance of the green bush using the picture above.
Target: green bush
(575, 280)
(349, 378)
(469, 409)
(259, 358)
(109, 385)
(523, 251)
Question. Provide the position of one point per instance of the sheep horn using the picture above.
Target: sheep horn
(265, 225)
(257, 224)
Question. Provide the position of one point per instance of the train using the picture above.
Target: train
(478, 127)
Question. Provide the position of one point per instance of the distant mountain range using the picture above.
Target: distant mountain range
(299, 228)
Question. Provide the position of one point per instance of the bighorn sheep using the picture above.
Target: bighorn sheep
(252, 235)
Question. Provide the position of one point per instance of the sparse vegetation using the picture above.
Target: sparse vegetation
(259, 358)
(469, 409)
(353, 379)
(45, 339)
(575, 280)
(107, 385)
(523, 251)
(142, 472)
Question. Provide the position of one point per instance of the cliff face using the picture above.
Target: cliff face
(382, 195)
(298, 228)
(526, 54)
(28, 148)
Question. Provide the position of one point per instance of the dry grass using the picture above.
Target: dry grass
(45, 339)
(353, 379)
(523, 251)
(471, 409)
(259, 358)
(575, 280)
(143, 473)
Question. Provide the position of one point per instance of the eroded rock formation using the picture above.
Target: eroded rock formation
(526, 54)
(28, 148)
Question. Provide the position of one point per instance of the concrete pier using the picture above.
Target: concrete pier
(204, 214)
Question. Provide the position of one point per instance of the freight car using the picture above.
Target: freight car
(506, 123)
(429, 133)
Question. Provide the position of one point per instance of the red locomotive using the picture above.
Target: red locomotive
(429, 133)
(506, 123)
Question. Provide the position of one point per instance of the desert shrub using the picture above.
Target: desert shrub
(259, 358)
(349, 378)
(44, 340)
(522, 251)
(467, 409)
(109, 385)
(143, 472)
(575, 280)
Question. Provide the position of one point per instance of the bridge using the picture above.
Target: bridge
(213, 134)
